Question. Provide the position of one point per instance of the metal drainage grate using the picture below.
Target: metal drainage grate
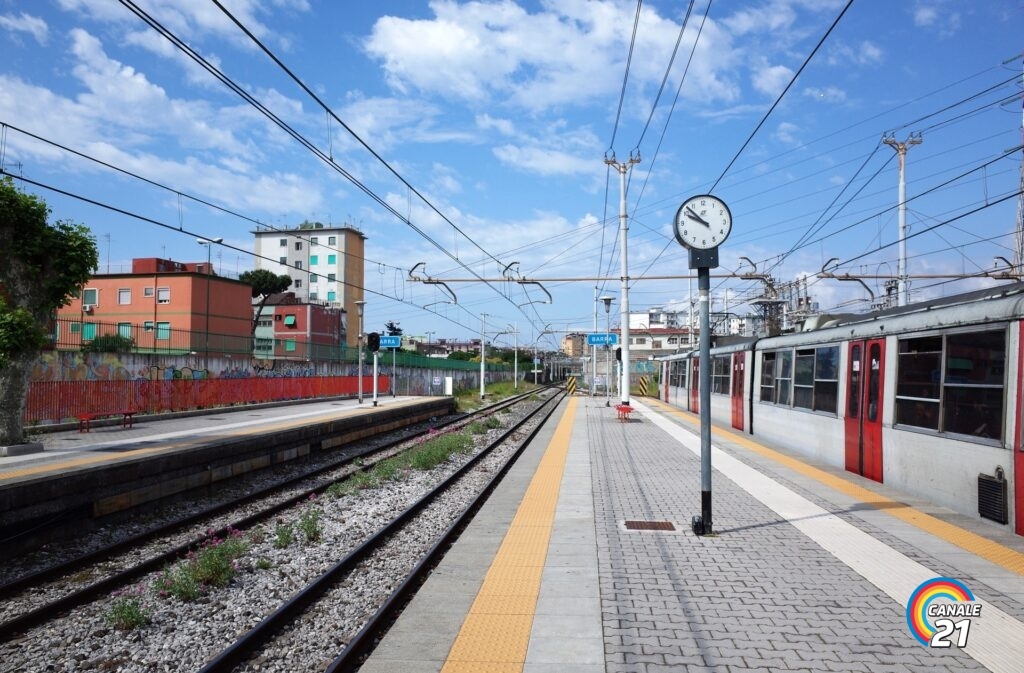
(650, 525)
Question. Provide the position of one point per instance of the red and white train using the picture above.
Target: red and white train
(926, 398)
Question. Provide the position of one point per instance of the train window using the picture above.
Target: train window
(768, 377)
(972, 391)
(815, 378)
(826, 379)
(874, 376)
(784, 379)
(803, 379)
(853, 399)
(952, 383)
(720, 366)
(920, 368)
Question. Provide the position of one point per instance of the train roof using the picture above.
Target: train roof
(980, 307)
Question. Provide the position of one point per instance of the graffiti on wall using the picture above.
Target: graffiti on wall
(75, 366)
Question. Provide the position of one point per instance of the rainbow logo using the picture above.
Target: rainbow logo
(930, 591)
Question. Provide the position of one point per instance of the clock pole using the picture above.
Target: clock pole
(703, 527)
(702, 224)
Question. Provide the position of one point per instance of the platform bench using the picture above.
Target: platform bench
(623, 411)
(85, 420)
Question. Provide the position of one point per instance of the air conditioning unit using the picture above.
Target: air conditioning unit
(87, 308)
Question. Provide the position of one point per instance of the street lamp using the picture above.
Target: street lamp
(608, 373)
(208, 242)
(515, 356)
(360, 305)
(483, 353)
(428, 342)
(393, 376)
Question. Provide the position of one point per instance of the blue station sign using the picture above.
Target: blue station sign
(599, 339)
(391, 342)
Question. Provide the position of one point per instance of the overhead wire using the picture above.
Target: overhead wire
(625, 75)
(187, 232)
(327, 109)
(236, 88)
(782, 95)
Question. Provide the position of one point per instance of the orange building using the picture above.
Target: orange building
(290, 328)
(163, 307)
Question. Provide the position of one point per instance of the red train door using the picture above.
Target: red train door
(738, 374)
(1018, 444)
(864, 386)
(694, 382)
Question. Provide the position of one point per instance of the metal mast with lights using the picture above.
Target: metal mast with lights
(622, 169)
(360, 307)
(209, 243)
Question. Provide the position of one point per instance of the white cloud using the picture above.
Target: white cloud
(504, 126)
(787, 132)
(829, 94)
(543, 161)
(771, 79)
(564, 55)
(937, 15)
(844, 55)
(772, 17)
(24, 23)
(198, 19)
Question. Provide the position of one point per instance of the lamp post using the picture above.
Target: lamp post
(360, 305)
(483, 349)
(428, 342)
(393, 376)
(208, 242)
(515, 356)
(608, 373)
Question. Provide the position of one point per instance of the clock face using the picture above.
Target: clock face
(703, 222)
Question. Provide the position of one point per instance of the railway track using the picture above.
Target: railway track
(310, 615)
(45, 594)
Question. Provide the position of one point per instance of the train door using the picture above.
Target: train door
(694, 383)
(1018, 444)
(864, 386)
(738, 374)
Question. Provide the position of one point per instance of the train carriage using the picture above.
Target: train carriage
(925, 398)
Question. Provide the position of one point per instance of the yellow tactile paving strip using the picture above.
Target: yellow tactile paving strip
(1001, 555)
(496, 633)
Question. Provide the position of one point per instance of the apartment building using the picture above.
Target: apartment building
(163, 306)
(326, 264)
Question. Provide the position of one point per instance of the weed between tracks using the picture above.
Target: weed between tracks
(218, 560)
(436, 449)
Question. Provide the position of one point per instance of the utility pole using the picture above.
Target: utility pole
(901, 152)
(622, 169)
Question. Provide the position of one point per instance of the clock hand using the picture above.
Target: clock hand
(694, 216)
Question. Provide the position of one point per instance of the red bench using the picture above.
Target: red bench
(623, 411)
(85, 420)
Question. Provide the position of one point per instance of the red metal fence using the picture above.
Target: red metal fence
(54, 401)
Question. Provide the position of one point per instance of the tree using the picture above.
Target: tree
(109, 343)
(264, 283)
(44, 265)
(392, 329)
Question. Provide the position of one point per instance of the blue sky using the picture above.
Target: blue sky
(486, 125)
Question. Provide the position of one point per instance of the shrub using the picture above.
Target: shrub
(126, 611)
(284, 535)
(310, 526)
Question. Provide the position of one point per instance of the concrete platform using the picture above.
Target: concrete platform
(809, 569)
(112, 468)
